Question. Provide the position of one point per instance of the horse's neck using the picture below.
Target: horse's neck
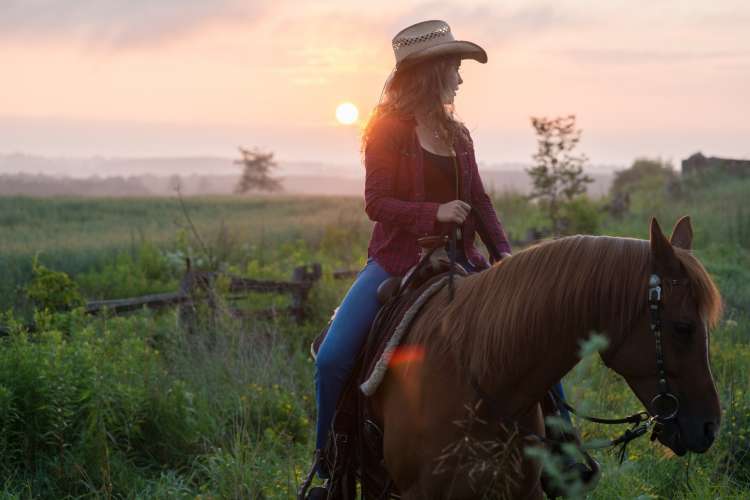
(540, 368)
(529, 385)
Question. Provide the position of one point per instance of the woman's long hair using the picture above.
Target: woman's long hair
(419, 90)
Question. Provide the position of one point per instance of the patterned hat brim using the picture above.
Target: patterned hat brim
(461, 48)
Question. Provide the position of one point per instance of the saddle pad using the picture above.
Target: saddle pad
(389, 328)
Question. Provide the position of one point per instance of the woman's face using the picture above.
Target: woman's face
(452, 81)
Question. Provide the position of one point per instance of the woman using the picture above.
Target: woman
(421, 179)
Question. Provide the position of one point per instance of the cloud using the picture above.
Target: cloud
(118, 23)
(133, 23)
(491, 23)
(334, 38)
(630, 56)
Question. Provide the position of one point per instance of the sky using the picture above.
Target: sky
(657, 78)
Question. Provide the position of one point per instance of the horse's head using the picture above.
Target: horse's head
(665, 359)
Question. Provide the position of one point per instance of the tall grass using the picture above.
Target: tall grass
(136, 407)
(106, 237)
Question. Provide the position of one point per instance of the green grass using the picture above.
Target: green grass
(137, 407)
(96, 236)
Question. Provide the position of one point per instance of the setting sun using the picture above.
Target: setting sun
(347, 113)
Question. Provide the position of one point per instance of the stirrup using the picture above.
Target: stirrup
(314, 493)
(317, 493)
(587, 473)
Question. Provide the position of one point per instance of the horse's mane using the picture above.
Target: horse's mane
(553, 288)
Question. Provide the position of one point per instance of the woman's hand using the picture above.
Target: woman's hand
(453, 211)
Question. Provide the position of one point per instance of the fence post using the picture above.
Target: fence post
(186, 310)
(299, 296)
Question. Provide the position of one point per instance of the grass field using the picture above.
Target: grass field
(135, 407)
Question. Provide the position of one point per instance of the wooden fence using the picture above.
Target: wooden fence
(198, 287)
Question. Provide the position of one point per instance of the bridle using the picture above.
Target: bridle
(664, 397)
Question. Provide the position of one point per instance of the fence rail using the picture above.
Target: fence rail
(155, 301)
(199, 287)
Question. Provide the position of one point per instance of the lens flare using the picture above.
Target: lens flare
(407, 354)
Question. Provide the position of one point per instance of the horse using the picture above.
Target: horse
(475, 368)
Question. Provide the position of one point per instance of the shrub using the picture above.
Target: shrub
(275, 411)
(735, 436)
(643, 172)
(131, 274)
(53, 290)
(644, 187)
(581, 215)
(80, 409)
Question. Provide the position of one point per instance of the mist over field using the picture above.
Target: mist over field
(97, 176)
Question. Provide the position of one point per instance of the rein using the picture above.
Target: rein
(641, 422)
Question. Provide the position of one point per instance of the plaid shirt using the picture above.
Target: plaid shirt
(395, 198)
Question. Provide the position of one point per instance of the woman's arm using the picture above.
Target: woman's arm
(488, 221)
(382, 159)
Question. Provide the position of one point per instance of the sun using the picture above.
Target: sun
(347, 113)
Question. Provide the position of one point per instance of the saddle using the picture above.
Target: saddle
(434, 261)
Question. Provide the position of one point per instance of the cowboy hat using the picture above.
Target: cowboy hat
(429, 39)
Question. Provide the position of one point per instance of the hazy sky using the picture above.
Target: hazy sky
(197, 77)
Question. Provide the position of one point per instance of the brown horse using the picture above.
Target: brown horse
(514, 330)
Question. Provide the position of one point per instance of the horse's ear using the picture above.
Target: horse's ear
(661, 249)
(682, 234)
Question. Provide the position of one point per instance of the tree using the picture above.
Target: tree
(557, 176)
(643, 187)
(257, 167)
(644, 171)
(175, 183)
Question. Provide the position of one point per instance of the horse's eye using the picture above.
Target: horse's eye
(684, 328)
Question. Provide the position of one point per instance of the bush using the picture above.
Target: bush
(78, 410)
(644, 172)
(581, 216)
(52, 290)
(145, 271)
(735, 436)
(275, 412)
(519, 215)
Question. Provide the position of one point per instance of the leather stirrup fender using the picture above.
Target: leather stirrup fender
(388, 289)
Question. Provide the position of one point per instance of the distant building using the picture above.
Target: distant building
(698, 163)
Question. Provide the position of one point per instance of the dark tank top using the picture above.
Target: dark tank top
(439, 182)
(439, 177)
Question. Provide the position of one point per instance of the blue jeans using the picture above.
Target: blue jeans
(558, 388)
(346, 336)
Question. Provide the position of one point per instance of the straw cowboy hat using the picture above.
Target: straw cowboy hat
(430, 39)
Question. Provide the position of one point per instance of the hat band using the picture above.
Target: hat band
(408, 41)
